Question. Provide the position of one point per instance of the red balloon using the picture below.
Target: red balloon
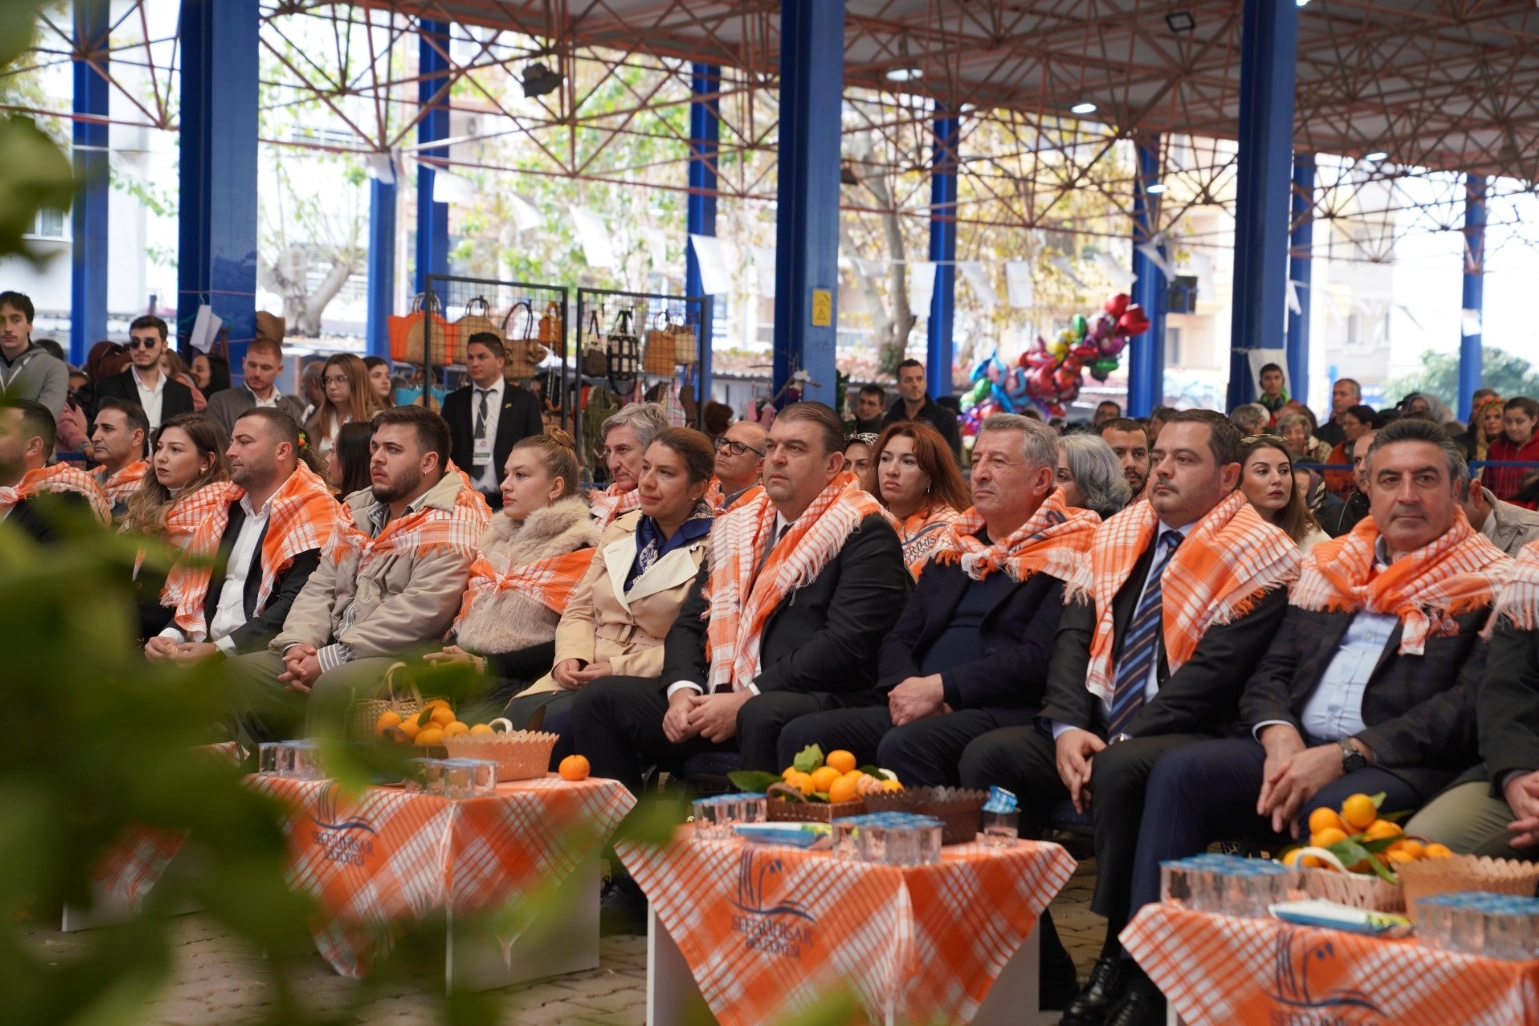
(1117, 305)
(1133, 321)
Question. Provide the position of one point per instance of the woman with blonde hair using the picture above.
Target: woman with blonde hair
(349, 399)
(919, 485)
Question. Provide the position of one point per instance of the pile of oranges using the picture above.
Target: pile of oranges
(1359, 828)
(836, 778)
(431, 726)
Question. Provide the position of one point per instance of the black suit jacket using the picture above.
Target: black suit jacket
(936, 415)
(1015, 639)
(42, 525)
(823, 637)
(1419, 710)
(520, 418)
(1507, 708)
(176, 399)
(1199, 698)
(260, 626)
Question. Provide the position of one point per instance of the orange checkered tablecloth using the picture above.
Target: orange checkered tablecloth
(769, 930)
(1223, 970)
(379, 861)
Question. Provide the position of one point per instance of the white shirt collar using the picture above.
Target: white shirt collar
(160, 381)
(267, 507)
(493, 389)
(271, 401)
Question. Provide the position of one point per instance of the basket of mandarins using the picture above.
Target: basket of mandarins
(520, 754)
(815, 788)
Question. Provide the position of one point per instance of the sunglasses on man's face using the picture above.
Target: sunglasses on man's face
(737, 448)
(143, 343)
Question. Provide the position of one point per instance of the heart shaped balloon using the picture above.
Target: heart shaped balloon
(1113, 346)
(1133, 321)
(1117, 305)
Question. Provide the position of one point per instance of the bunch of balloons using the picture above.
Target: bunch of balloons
(1050, 374)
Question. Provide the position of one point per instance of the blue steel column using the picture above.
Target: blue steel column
(943, 250)
(217, 251)
(433, 80)
(1470, 355)
(1146, 353)
(1301, 270)
(88, 218)
(1268, 59)
(704, 137)
(382, 200)
(807, 194)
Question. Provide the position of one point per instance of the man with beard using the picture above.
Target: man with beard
(1130, 443)
(391, 580)
(118, 445)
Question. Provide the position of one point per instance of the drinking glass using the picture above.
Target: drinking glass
(459, 778)
(1001, 829)
(276, 759)
(306, 760)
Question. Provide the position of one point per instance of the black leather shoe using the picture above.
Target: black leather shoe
(622, 908)
(1140, 1006)
(1091, 1005)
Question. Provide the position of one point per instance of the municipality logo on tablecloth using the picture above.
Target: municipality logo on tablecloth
(1296, 955)
(348, 840)
(778, 926)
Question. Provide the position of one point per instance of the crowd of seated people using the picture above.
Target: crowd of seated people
(1169, 625)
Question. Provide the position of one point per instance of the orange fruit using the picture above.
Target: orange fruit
(574, 767)
(481, 730)
(790, 771)
(823, 778)
(430, 736)
(409, 727)
(1358, 811)
(891, 785)
(1324, 819)
(434, 703)
(840, 760)
(1297, 858)
(456, 729)
(1396, 856)
(388, 718)
(803, 783)
(395, 735)
(1380, 829)
(1439, 851)
(442, 715)
(1327, 837)
(1411, 847)
(844, 789)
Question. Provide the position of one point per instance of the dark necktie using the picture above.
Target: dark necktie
(480, 431)
(1141, 644)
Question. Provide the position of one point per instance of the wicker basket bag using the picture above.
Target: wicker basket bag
(405, 702)
(524, 350)
(477, 318)
(807, 812)
(435, 334)
(520, 754)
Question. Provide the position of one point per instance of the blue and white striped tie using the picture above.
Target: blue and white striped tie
(1141, 644)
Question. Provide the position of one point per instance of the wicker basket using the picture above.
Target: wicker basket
(782, 811)
(957, 808)
(364, 713)
(1355, 890)
(658, 357)
(520, 754)
(1427, 877)
(476, 319)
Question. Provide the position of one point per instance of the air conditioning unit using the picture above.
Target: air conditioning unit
(1181, 296)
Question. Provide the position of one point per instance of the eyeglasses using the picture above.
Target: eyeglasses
(143, 343)
(737, 448)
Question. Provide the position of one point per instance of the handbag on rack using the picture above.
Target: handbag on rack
(622, 353)
(594, 363)
(428, 330)
(657, 357)
(686, 343)
(524, 352)
(552, 325)
(476, 319)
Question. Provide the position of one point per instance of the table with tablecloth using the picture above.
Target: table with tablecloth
(380, 860)
(1216, 969)
(769, 930)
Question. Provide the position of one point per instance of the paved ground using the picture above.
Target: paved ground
(218, 983)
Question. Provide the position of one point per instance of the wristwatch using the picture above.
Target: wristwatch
(1352, 760)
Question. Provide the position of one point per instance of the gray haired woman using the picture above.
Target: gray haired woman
(1091, 475)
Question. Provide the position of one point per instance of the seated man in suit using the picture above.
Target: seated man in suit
(740, 464)
(1493, 809)
(784, 618)
(393, 578)
(118, 445)
(1368, 687)
(1184, 592)
(28, 485)
(144, 383)
(488, 417)
(269, 539)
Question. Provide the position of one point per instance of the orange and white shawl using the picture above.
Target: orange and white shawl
(922, 533)
(610, 504)
(61, 477)
(717, 499)
(124, 483)
(423, 532)
(1458, 572)
(1227, 562)
(303, 516)
(192, 508)
(1055, 540)
(1519, 600)
(549, 581)
(741, 595)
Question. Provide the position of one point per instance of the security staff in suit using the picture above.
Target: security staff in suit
(488, 416)
(144, 383)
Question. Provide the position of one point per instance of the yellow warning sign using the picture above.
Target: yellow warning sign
(822, 308)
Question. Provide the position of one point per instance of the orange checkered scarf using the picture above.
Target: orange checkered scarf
(1227, 562)
(921, 533)
(1519, 600)
(61, 477)
(717, 499)
(1459, 572)
(609, 505)
(741, 596)
(303, 516)
(423, 532)
(125, 482)
(192, 508)
(1055, 540)
(550, 581)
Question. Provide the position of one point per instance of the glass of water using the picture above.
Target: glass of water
(1001, 829)
(276, 759)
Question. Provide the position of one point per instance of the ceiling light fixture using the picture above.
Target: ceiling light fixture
(1376, 155)
(539, 80)
(1182, 21)
(904, 74)
(1083, 108)
(1154, 188)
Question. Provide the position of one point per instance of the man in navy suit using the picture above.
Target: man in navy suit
(488, 417)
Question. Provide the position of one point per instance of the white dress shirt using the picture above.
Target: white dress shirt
(150, 398)
(271, 402)
(230, 614)
(487, 481)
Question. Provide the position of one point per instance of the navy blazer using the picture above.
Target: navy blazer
(1014, 639)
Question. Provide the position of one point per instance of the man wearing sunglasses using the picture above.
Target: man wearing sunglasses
(740, 463)
(144, 383)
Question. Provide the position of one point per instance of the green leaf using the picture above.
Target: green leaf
(753, 780)
(1380, 844)
(808, 759)
(1378, 799)
(872, 771)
